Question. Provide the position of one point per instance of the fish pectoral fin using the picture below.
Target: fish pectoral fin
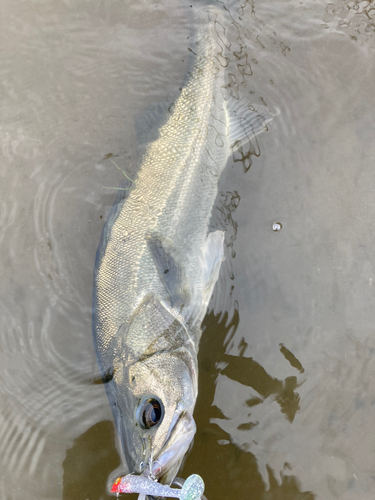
(213, 254)
(245, 121)
(170, 268)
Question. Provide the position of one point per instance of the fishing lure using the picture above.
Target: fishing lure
(192, 489)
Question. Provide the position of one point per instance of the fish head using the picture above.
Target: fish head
(156, 389)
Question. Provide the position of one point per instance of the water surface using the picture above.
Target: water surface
(286, 404)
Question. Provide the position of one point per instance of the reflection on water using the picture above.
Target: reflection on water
(286, 401)
(230, 470)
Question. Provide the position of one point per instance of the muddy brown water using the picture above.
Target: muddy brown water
(286, 405)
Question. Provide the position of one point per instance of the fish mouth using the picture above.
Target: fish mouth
(165, 466)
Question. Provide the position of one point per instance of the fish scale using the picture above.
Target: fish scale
(160, 186)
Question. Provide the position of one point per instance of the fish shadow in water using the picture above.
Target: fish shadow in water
(228, 471)
(89, 462)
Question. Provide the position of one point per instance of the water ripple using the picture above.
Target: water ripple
(73, 81)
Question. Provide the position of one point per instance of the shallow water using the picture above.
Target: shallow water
(286, 404)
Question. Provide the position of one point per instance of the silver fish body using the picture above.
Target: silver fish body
(156, 269)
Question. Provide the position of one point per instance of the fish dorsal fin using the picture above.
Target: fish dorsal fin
(213, 254)
(170, 267)
(245, 121)
(212, 257)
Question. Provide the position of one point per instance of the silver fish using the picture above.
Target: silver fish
(157, 266)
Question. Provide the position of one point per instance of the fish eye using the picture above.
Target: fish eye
(149, 413)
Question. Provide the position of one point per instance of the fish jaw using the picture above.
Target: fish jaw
(166, 465)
